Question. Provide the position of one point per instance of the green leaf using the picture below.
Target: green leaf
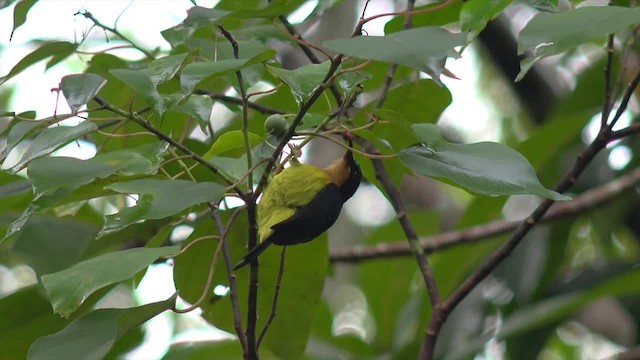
(223, 349)
(550, 34)
(26, 316)
(303, 80)
(544, 5)
(145, 81)
(444, 16)
(194, 73)
(20, 14)
(161, 198)
(49, 244)
(420, 48)
(305, 271)
(405, 105)
(67, 289)
(52, 139)
(199, 16)
(231, 140)
(92, 335)
(485, 168)
(51, 173)
(18, 130)
(79, 89)
(476, 14)
(199, 107)
(274, 9)
(144, 159)
(41, 53)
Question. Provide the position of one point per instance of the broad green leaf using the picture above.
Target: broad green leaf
(145, 81)
(201, 350)
(51, 173)
(69, 288)
(52, 139)
(199, 107)
(420, 48)
(79, 89)
(388, 285)
(230, 140)
(274, 9)
(20, 14)
(144, 159)
(476, 14)
(303, 80)
(544, 5)
(405, 105)
(17, 132)
(448, 15)
(92, 335)
(160, 198)
(199, 16)
(550, 34)
(485, 168)
(555, 309)
(194, 73)
(26, 316)
(305, 271)
(46, 50)
(49, 244)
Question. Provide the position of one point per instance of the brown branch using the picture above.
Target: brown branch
(408, 23)
(252, 242)
(276, 294)
(233, 286)
(583, 203)
(308, 52)
(606, 104)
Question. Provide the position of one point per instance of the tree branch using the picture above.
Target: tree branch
(162, 136)
(115, 31)
(233, 286)
(583, 203)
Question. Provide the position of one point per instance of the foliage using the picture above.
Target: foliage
(87, 226)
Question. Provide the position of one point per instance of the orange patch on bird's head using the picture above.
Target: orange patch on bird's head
(339, 171)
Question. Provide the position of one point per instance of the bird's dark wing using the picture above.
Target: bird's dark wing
(311, 220)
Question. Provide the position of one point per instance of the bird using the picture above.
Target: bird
(302, 202)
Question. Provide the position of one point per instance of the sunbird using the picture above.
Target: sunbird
(302, 202)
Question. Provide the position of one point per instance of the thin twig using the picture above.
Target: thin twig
(115, 31)
(608, 96)
(408, 23)
(162, 136)
(245, 107)
(276, 293)
(208, 285)
(233, 285)
(233, 100)
(306, 49)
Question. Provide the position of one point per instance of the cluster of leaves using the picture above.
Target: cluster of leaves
(55, 215)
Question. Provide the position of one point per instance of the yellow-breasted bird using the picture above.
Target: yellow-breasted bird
(302, 202)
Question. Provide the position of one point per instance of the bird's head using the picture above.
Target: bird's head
(345, 172)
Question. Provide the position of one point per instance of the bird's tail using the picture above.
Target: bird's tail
(253, 254)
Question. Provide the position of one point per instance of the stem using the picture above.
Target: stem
(276, 293)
